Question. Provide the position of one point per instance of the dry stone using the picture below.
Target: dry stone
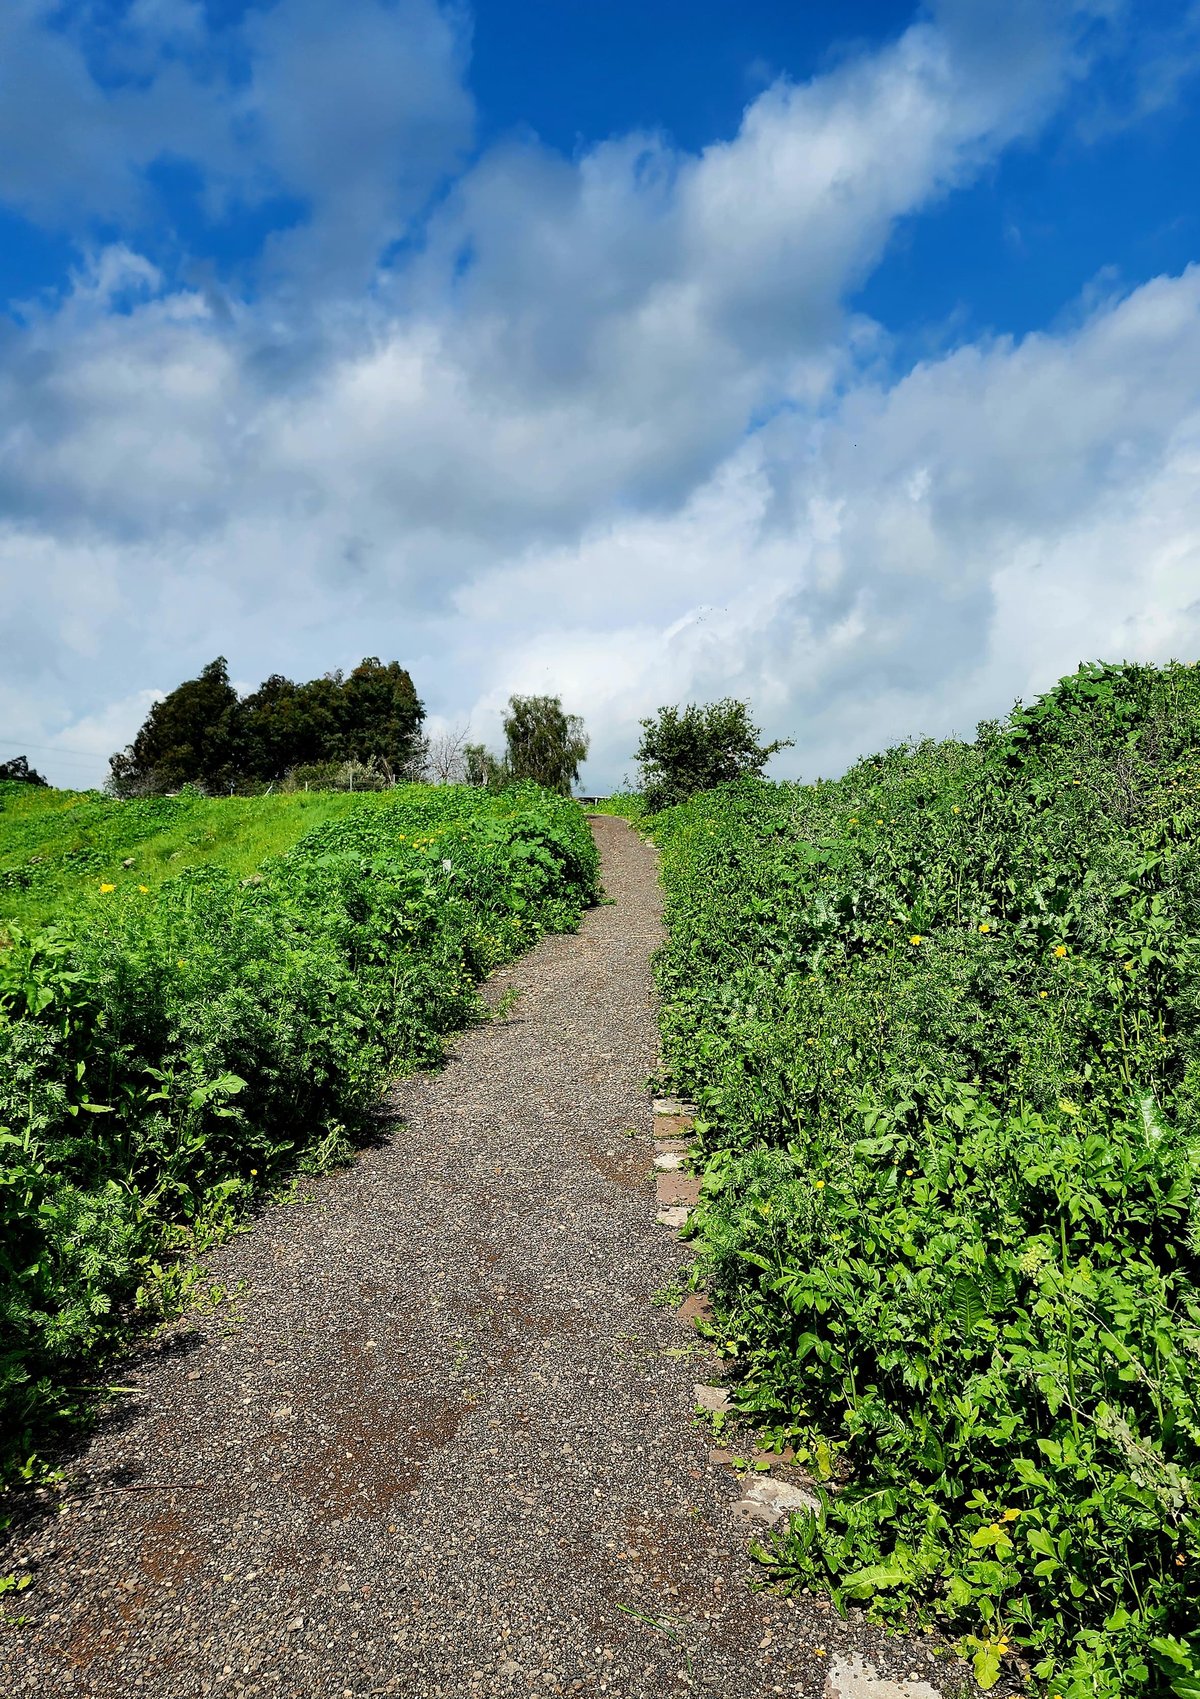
(851, 1678)
(769, 1500)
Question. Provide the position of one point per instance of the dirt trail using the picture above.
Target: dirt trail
(442, 1442)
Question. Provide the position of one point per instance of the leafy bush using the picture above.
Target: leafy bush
(940, 1018)
(167, 1054)
(686, 750)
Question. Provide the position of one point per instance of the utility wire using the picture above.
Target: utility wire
(56, 749)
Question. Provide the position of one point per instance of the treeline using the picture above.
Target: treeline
(361, 730)
(205, 734)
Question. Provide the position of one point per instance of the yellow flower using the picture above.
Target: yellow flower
(818, 1184)
(854, 819)
(105, 889)
(1043, 993)
(1060, 950)
(985, 926)
(909, 1171)
(956, 809)
(1128, 967)
(916, 938)
(144, 889)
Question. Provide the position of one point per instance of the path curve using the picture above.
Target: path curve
(442, 1443)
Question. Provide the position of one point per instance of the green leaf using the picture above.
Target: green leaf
(986, 1664)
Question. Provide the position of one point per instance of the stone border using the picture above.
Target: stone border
(765, 1498)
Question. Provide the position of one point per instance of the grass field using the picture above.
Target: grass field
(200, 998)
(940, 1018)
(56, 846)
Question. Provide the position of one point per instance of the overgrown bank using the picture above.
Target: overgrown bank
(170, 1048)
(940, 1018)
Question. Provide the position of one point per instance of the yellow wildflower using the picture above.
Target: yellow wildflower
(1043, 993)
(956, 809)
(818, 1184)
(916, 938)
(105, 889)
(1060, 950)
(1128, 967)
(144, 889)
(985, 926)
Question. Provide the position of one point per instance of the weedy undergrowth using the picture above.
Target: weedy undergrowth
(170, 1051)
(940, 1018)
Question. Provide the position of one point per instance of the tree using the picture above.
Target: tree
(190, 737)
(544, 744)
(482, 767)
(692, 749)
(381, 715)
(445, 756)
(203, 734)
(19, 772)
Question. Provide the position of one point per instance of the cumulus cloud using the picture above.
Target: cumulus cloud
(356, 114)
(608, 429)
(934, 548)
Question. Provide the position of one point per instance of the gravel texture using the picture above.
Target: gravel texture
(441, 1440)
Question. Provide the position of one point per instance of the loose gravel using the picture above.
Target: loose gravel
(440, 1442)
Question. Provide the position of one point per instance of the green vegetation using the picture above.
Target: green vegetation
(940, 1019)
(173, 1047)
(687, 750)
(56, 846)
(203, 733)
(18, 771)
(543, 745)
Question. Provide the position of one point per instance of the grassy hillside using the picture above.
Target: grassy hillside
(173, 1046)
(941, 1017)
(56, 846)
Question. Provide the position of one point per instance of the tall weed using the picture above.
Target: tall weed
(940, 1018)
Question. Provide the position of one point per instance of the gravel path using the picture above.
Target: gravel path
(441, 1440)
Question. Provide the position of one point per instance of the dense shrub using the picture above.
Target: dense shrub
(940, 1018)
(167, 1053)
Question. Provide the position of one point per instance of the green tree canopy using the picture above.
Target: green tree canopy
(19, 772)
(190, 737)
(543, 743)
(685, 750)
(203, 734)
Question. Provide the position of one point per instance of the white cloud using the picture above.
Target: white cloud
(611, 433)
(356, 112)
(947, 543)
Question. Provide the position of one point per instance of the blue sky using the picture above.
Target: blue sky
(843, 358)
